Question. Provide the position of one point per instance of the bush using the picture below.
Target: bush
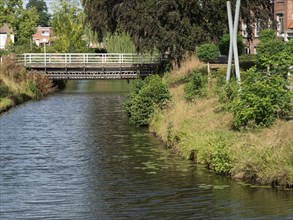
(208, 52)
(196, 86)
(4, 89)
(216, 156)
(145, 96)
(262, 99)
(224, 44)
(247, 61)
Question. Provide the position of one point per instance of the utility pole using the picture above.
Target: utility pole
(233, 29)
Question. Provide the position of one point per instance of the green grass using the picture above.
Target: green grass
(17, 85)
(201, 132)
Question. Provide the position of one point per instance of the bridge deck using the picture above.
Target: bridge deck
(90, 66)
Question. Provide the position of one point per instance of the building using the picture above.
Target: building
(5, 31)
(250, 46)
(43, 35)
(283, 11)
(283, 14)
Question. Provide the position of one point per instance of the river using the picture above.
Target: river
(73, 155)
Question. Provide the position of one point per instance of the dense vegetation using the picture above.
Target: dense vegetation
(17, 85)
(172, 27)
(204, 116)
(67, 20)
(203, 129)
(146, 96)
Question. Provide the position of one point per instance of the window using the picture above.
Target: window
(244, 30)
(45, 33)
(257, 27)
(280, 19)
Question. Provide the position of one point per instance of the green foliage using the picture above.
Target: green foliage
(42, 10)
(224, 44)
(216, 156)
(4, 89)
(119, 43)
(23, 22)
(145, 96)
(173, 27)
(262, 99)
(274, 54)
(196, 86)
(27, 24)
(27, 47)
(90, 36)
(247, 61)
(227, 92)
(10, 10)
(269, 52)
(8, 42)
(208, 52)
(267, 34)
(67, 22)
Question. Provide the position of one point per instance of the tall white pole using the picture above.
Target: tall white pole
(235, 49)
(230, 57)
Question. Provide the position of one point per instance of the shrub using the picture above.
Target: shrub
(224, 44)
(196, 86)
(247, 61)
(262, 99)
(4, 89)
(267, 34)
(207, 53)
(215, 156)
(145, 96)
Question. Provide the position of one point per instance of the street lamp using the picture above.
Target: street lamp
(45, 42)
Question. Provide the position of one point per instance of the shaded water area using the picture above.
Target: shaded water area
(73, 155)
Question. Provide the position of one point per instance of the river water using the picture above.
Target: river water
(73, 155)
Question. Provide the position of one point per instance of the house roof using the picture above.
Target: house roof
(5, 29)
(290, 24)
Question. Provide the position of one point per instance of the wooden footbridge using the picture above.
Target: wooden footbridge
(90, 65)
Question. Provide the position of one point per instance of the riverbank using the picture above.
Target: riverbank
(202, 132)
(17, 85)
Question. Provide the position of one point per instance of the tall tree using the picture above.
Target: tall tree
(42, 10)
(27, 25)
(173, 27)
(23, 22)
(10, 10)
(67, 22)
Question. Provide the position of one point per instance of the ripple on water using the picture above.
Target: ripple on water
(74, 156)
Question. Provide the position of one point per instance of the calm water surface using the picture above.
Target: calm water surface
(73, 155)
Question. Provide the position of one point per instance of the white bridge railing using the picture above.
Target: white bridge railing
(86, 58)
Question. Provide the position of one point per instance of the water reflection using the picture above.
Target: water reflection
(73, 155)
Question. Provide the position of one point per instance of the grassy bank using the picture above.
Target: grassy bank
(200, 131)
(17, 85)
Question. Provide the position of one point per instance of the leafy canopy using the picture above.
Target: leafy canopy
(173, 27)
(23, 22)
(208, 52)
(42, 10)
(67, 23)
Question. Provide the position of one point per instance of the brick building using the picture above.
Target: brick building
(43, 35)
(283, 11)
(283, 14)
